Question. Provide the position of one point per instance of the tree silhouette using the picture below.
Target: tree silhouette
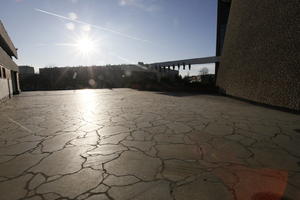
(203, 71)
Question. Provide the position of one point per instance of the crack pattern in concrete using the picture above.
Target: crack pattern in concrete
(124, 144)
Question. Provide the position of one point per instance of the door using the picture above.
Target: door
(14, 82)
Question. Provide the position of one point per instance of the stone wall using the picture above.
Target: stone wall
(260, 59)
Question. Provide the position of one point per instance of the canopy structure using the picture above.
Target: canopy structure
(7, 50)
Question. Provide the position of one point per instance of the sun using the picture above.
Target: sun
(85, 45)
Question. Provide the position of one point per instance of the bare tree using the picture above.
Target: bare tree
(203, 71)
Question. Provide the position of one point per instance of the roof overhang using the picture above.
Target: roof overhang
(7, 62)
(6, 43)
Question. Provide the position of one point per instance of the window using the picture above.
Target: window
(0, 72)
(4, 72)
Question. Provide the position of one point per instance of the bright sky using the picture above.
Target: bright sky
(97, 32)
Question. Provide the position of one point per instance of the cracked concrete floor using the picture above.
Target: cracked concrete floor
(124, 144)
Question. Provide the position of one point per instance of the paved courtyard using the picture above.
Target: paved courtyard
(124, 144)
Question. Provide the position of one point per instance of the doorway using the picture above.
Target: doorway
(14, 81)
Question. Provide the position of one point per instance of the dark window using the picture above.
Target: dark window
(0, 72)
(4, 72)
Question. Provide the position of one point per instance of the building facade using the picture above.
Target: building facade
(9, 77)
(25, 70)
(261, 52)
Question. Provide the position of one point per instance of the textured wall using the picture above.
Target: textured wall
(7, 61)
(5, 89)
(260, 59)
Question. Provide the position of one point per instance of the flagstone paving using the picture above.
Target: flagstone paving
(124, 144)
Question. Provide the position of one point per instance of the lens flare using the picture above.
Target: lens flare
(85, 45)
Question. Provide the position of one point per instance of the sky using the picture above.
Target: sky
(98, 32)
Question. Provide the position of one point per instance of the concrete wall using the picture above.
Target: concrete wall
(7, 51)
(260, 58)
(10, 87)
(4, 92)
(6, 42)
(5, 86)
(6, 60)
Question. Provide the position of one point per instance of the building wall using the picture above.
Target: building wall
(5, 88)
(7, 52)
(6, 60)
(18, 82)
(10, 87)
(25, 70)
(260, 58)
(6, 43)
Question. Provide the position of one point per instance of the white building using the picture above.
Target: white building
(9, 77)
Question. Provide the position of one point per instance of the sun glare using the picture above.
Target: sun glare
(85, 46)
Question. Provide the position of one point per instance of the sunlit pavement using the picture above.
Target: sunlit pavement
(127, 144)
